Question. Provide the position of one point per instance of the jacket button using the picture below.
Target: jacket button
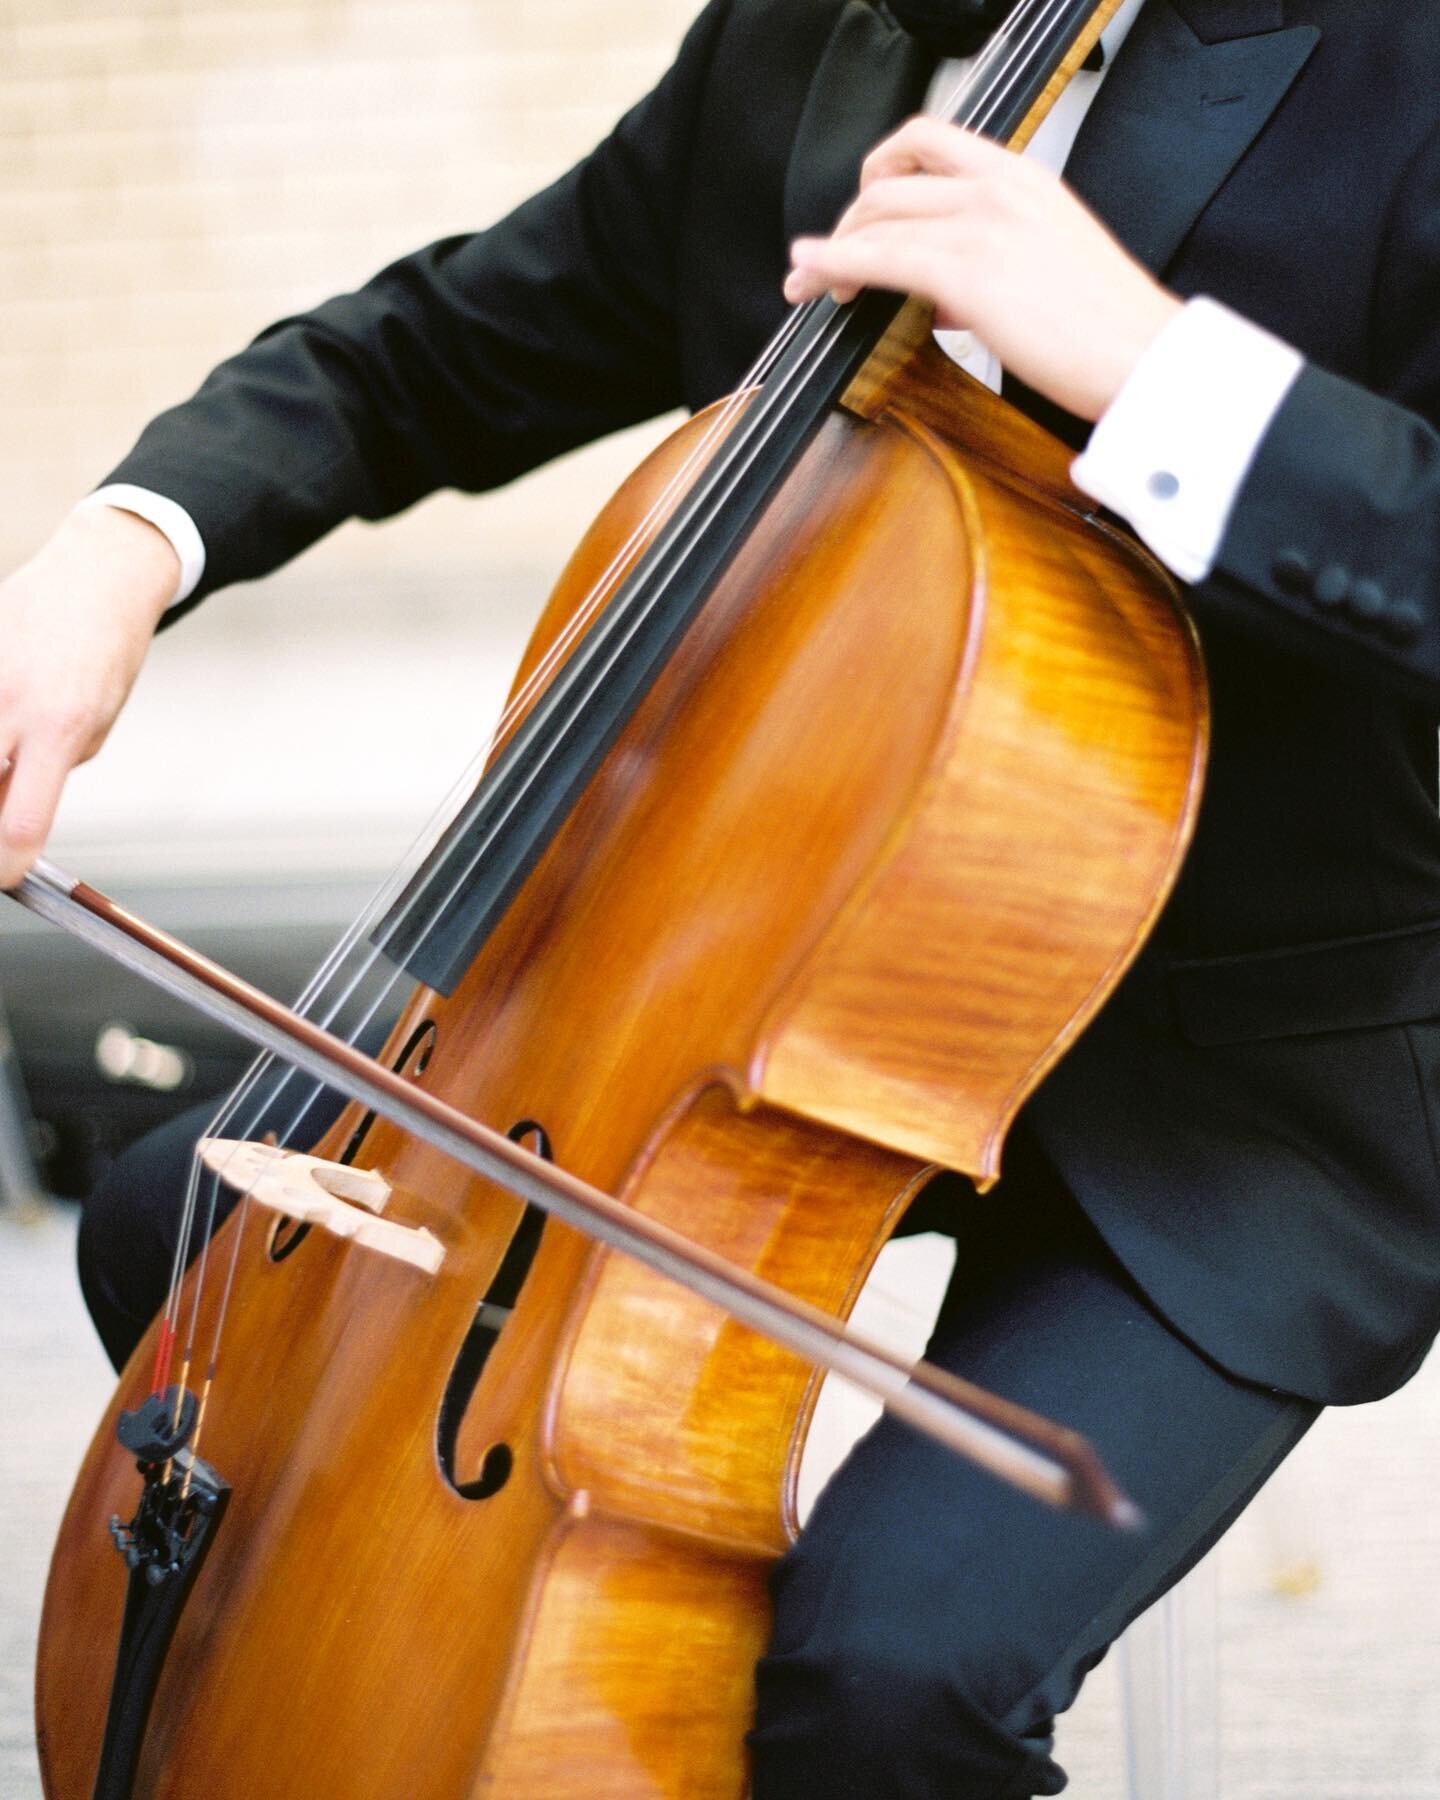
(1331, 586)
(1291, 570)
(1367, 601)
(1403, 622)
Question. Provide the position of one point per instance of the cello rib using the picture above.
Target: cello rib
(1030, 866)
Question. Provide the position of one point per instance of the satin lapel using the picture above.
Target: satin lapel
(870, 77)
(1192, 87)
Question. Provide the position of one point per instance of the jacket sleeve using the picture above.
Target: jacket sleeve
(1337, 524)
(462, 365)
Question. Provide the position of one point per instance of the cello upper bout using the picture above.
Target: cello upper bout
(1047, 838)
(909, 377)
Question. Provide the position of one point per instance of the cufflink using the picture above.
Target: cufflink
(1291, 569)
(1367, 602)
(1331, 587)
(1403, 622)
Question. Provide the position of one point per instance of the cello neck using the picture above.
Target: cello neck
(463, 888)
(1048, 41)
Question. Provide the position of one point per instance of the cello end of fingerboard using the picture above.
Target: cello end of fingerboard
(872, 389)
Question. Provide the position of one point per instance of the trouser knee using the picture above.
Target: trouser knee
(859, 1707)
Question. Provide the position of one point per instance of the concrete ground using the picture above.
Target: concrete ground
(53, 1383)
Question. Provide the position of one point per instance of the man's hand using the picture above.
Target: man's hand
(1001, 247)
(74, 625)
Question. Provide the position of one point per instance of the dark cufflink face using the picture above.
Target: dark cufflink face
(1291, 569)
(1367, 602)
(1332, 586)
(1403, 622)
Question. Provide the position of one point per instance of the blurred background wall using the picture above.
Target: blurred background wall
(173, 175)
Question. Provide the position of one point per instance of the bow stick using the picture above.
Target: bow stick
(1053, 1464)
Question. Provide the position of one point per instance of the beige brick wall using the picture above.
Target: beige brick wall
(175, 173)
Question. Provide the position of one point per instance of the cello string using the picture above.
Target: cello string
(1005, 44)
(595, 685)
(1029, 24)
(460, 791)
(995, 99)
(1044, 13)
(998, 43)
(377, 950)
(998, 46)
(625, 555)
(465, 784)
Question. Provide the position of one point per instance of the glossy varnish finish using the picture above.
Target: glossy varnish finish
(728, 991)
(1029, 868)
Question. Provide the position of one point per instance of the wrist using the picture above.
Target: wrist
(133, 560)
(1129, 342)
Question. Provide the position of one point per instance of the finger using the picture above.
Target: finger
(931, 147)
(31, 793)
(801, 285)
(883, 256)
(7, 764)
(907, 197)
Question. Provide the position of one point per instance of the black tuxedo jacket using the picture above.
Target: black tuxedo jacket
(1253, 1120)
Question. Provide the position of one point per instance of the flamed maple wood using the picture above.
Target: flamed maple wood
(878, 843)
(930, 736)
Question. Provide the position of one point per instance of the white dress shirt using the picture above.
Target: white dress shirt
(1173, 448)
(1170, 452)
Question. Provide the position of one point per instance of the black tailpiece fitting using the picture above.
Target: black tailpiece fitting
(164, 1547)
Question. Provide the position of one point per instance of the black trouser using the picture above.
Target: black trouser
(930, 1623)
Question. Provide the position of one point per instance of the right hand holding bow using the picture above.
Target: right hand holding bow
(75, 622)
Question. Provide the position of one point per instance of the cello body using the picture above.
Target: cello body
(878, 843)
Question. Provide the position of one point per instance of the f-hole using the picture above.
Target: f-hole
(484, 1333)
(414, 1059)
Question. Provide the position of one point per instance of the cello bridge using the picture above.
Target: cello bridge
(334, 1197)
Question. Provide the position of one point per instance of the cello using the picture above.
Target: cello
(751, 947)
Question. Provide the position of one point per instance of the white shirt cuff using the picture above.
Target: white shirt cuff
(1173, 448)
(168, 518)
